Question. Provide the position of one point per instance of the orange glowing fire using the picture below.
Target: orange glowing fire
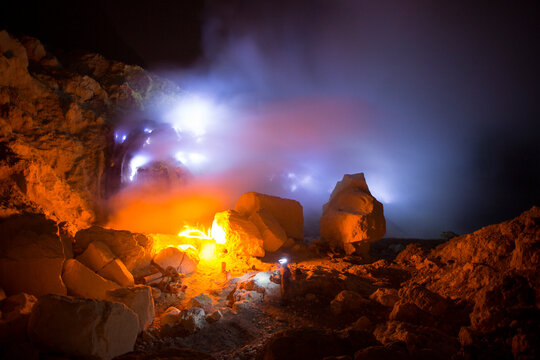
(206, 246)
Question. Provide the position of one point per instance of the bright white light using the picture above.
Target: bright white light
(283, 261)
(294, 187)
(135, 163)
(192, 115)
(180, 156)
(124, 138)
(147, 130)
(195, 158)
(147, 141)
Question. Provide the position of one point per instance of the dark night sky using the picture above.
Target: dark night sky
(458, 81)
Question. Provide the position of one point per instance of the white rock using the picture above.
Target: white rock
(83, 282)
(202, 301)
(179, 260)
(116, 271)
(287, 212)
(83, 328)
(170, 316)
(96, 256)
(242, 236)
(193, 319)
(214, 317)
(272, 233)
(139, 299)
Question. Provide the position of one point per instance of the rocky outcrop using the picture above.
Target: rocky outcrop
(55, 127)
(352, 218)
(484, 285)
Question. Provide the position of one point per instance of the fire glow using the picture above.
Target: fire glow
(202, 245)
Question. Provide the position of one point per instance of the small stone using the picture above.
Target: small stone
(214, 317)
(193, 319)
(170, 316)
(202, 301)
(348, 302)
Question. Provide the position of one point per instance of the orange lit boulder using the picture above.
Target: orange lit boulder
(273, 234)
(96, 256)
(288, 213)
(133, 249)
(242, 236)
(82, 281)
(352, 218)
(116, 271)
(177, 259)
(139, 299)
(31, 256)
(82, 328)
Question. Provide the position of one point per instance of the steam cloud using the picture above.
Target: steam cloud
(299, 95)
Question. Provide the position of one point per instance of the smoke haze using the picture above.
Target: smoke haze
(434, 103)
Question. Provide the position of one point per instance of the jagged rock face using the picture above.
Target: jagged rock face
(478, 261)
(55, 127)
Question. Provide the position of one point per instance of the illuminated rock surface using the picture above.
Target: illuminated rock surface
(177, 259)
(82, 281)
(352, 218)
(288, 213)
(243, 237)
(139, 299)
(272, 233)
(133, 249)
(83, 328)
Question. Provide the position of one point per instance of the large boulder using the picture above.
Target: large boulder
(272, 233)
(239, 235)
(133, 249)
(352, 218)
(287, 212)
(82, 281)
(31, 256)
(137, 298)
(83, 328)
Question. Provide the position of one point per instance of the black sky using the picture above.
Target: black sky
(459, 80)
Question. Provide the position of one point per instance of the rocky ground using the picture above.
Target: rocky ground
(475, 296)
